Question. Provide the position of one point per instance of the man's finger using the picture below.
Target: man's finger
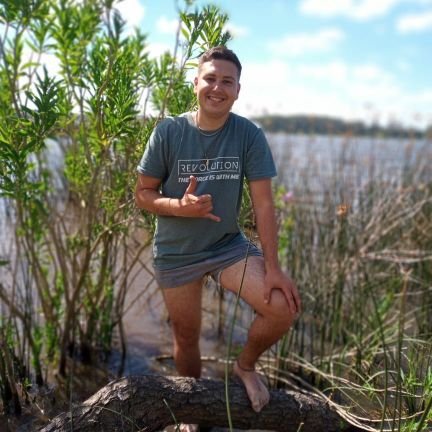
(291, 301)
(293, 293)
(295, 304)
(297, 300)
(267, 295)
(213, 217)
(204, 199)
(192, 185)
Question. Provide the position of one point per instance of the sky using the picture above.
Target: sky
(368, 60)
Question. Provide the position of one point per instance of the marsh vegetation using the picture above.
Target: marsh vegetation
(355, 237)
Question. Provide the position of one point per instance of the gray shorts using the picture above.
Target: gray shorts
(213, 266)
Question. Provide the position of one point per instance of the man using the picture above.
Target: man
(191, 176)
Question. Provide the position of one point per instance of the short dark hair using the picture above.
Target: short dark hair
(220, 52)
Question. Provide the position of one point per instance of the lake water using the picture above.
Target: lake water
(302, 161)
(322, 162)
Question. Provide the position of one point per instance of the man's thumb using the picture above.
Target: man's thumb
(192, 185)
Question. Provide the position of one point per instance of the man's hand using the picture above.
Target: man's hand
(277, 279)
(191, 205)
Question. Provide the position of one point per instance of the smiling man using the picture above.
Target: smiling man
(191, 176)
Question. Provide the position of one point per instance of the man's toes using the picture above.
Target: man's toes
(189, 428)
(259, 404)
(264, 400)
(260, 400)
(257, 407)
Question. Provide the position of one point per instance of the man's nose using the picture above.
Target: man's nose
(217, 84)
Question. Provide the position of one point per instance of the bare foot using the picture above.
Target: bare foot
(189, 428)
(255, 388)
(182, 428)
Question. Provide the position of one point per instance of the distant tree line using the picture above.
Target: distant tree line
(323, 125)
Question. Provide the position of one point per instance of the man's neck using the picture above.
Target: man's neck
(207, 123)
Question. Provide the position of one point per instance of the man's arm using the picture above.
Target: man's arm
(148, 197)
(262, 200)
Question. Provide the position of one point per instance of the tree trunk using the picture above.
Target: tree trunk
(148, 403)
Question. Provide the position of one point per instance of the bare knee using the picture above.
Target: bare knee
(279, 310)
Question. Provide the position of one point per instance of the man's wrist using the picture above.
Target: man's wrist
(173, 206)
(271, 265)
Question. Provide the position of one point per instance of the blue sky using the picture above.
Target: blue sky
(356, 59)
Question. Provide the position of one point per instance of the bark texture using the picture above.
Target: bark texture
(140, 403)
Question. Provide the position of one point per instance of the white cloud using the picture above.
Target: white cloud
(415, 22)
(132, 12)
(301, 43)
(167, 26)
(356, 9)
(335, 88)
(156, 49)
(370, 73)
(334, 71)
(50, 61)
(236, 31)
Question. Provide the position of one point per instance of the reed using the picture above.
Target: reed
(360, 252)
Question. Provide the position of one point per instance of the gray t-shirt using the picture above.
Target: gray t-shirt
(220, 161)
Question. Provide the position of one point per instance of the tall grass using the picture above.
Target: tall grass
(359, 244)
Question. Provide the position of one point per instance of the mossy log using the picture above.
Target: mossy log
(149, 402)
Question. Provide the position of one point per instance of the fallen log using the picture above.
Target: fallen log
(148, 403)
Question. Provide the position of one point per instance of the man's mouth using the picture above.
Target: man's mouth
(216, 99)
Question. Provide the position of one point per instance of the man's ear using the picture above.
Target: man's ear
(238, 89)
(195, 82)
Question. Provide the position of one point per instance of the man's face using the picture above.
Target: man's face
(217, 87)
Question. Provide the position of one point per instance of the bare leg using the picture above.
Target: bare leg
(184, 309)
(272, 321)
